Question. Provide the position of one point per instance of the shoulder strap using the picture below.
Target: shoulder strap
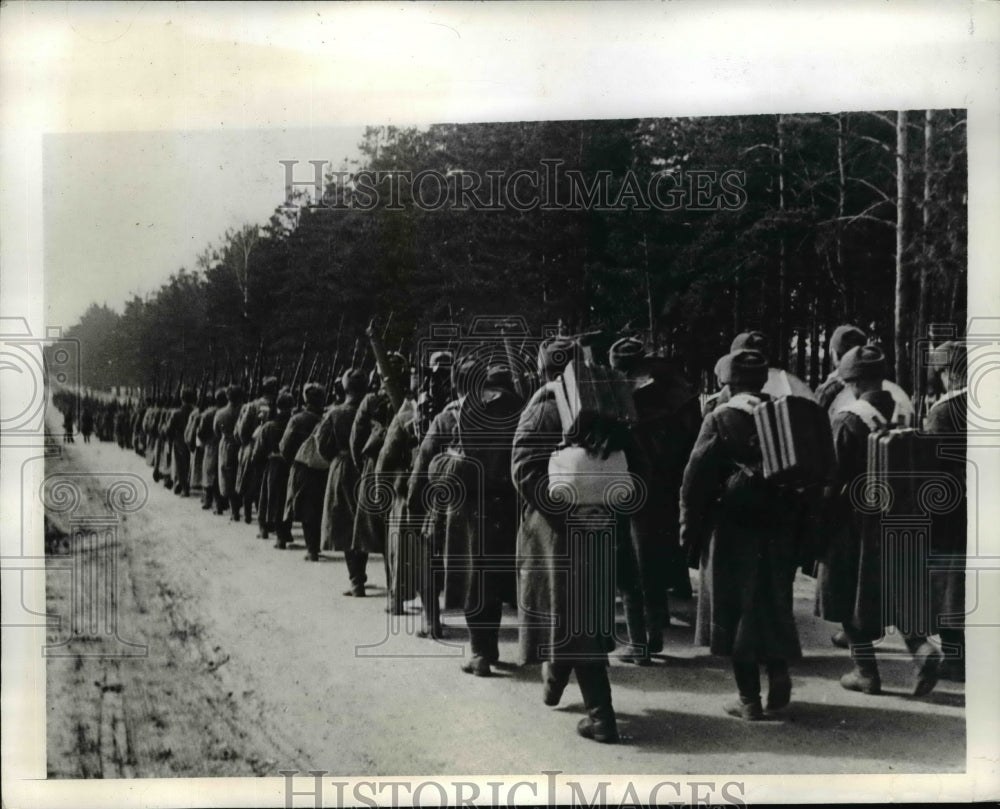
(562, 403)
(744, 402)
(868, 413)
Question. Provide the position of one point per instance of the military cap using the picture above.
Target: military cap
(461, 372)
(862, 362)
(746, 368)
(398, 363)
(555, 353)
(314, 395)
(221, 397)
(626, 353)
(440, 360)
(354, 381)
(500, 376)
(844, 338)
(270, 384)
(284, 402)
(722, 369)
(751, 341)
(187, 396)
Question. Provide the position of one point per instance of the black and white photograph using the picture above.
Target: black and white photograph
(454, 404)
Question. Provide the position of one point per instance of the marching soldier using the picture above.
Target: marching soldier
(274, 472)
(210, 464)
(429, 468)
(181, 452)
(393, 466)
(850, 581)
(367, 437)
(196, 450)
(565, 591)
(248, 474)
(947, 422)
(737, 529)
(307, 478)
(333, 438)
(224, 427)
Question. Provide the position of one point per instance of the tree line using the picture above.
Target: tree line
(791, 224)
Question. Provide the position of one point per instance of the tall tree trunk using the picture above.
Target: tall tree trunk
(841, 199)
(901, 333)
(782, 337)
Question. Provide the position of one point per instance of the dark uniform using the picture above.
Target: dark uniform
(393, 466)
(742, 534)
(224, 427)
(274, 475)
(180, 451)
(850, 587)
(340, 498)
(367, 437)
(565, 584)
(210, 461)
(306, 484)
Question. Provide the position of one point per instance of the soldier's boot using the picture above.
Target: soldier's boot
(637, 650)
(600, 724)
(555, 677)
(779, 685)
(656, 620)
(927, 658)
(864, 677)
(747, 704)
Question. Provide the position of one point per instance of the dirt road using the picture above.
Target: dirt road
(257, 663)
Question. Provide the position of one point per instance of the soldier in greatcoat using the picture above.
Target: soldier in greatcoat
(565, 584)
(393, 466)
(333, 439)
(180, 451)
(248, 474)
(274, 474)
(428, 464)
(165, 455)
(850, 587)
(306, 482)
(669, 418)
(210, 463)
(741, 533)
(367, 437)
(947, 422)
(196, 450)
(224, 427)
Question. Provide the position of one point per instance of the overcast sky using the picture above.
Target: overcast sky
(122, 211)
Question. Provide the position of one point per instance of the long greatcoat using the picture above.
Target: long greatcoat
(274, 480)
(947, 422)
(340, 499)
(210, 456)
(849, 577)
(304, 495)
(194, 447)
(565, 576)
(180, 453)
(394, 463)
(249, 473)
(374, 500)
(225, 433)
(745, 532)
(669, 420)
(423, 501)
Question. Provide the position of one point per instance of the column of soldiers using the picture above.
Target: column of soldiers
(445, 473)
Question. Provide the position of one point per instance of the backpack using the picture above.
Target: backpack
(796, 441)
(897, 465)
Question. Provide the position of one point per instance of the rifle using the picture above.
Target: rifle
(258, 370)
(312, 368)
(354, 354)
(296, 377)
